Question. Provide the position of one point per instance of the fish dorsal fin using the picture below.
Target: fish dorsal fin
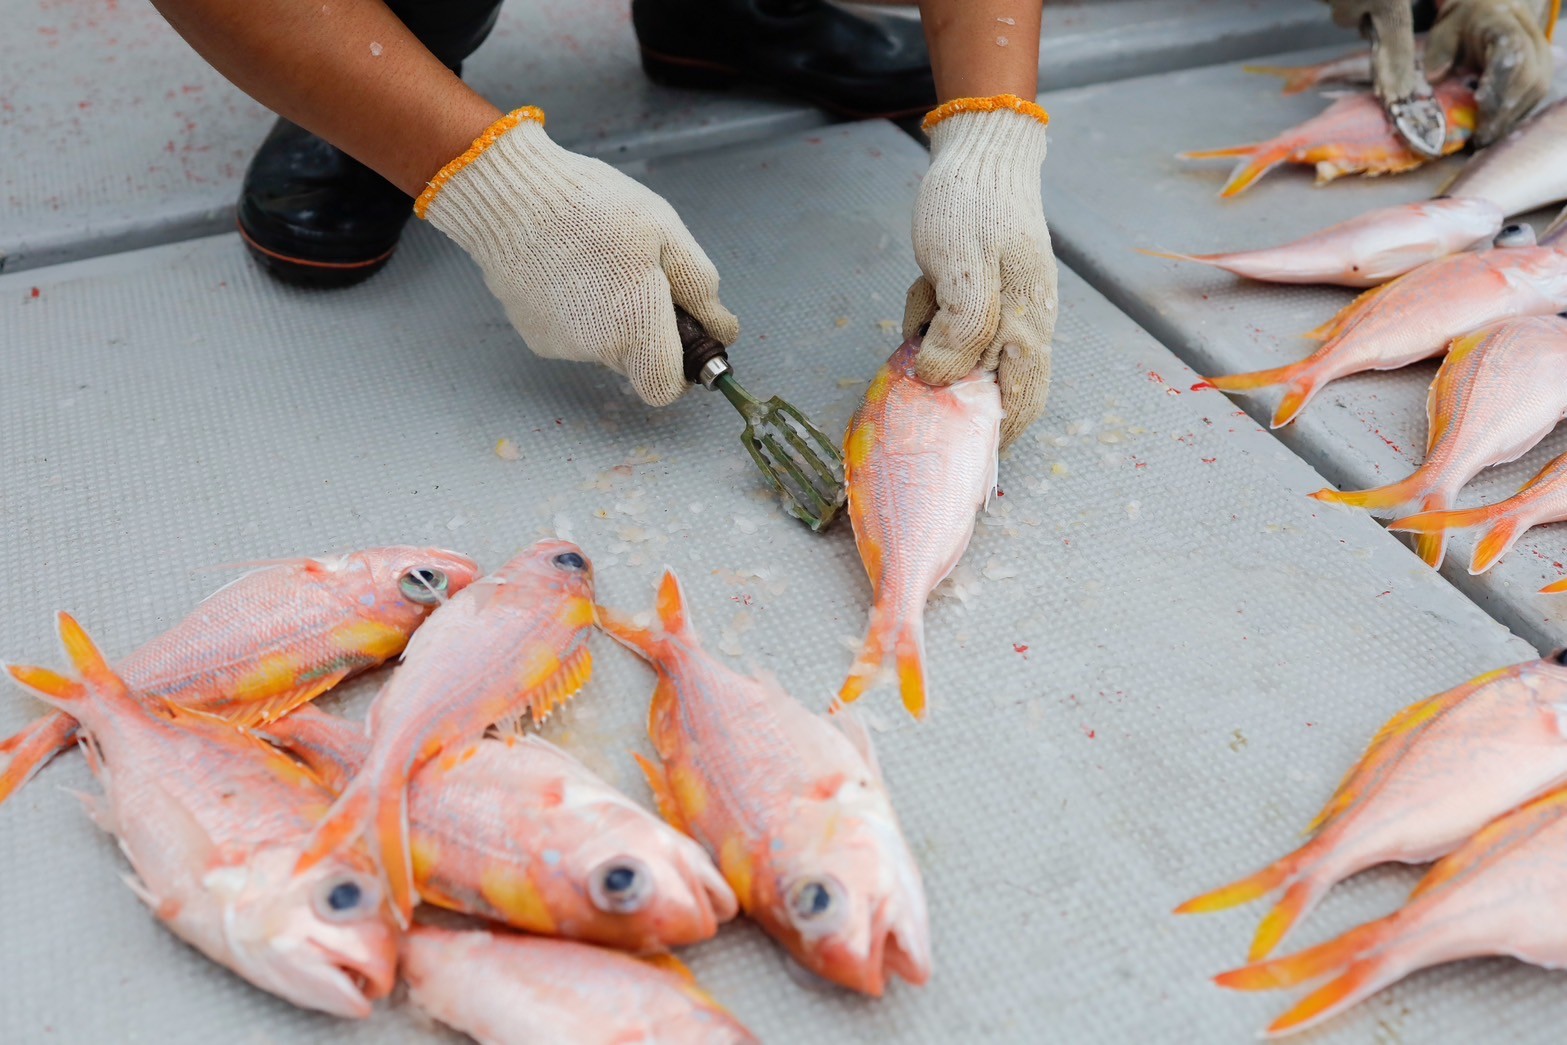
(1458, 352)
(1493, 840)
(852, 726)
(1394, 736)
(671, 605)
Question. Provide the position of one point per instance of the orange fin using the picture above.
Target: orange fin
(668, 808)
(565, 683)
(1244, 891)
(1297, 79)
(1256, 160)
(1393, 497)
(1359, 981)
(1309, 964)
(249, 714)
(673, 617)
(344, 822)
(389, 843)
(902, 641)
(1255, 379)
(1555, 587)
(23, 755)
(1298, 899)
(1351, 313)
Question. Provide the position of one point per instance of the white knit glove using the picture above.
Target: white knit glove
(989, 284)
(1508, 41)
(588, 262)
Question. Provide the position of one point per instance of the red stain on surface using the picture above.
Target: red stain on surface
(1209, 460)
(1155, 378)
(1090, 733)
(1202, 386)
(36, 292)
(1020, 649)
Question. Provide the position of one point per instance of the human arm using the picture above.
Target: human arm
(988, 282)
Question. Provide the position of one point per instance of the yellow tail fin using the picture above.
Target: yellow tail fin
(1244, 891)
(1256, 160)
(1555, 587)
(1291, 908)
(1493, 543)
(1359, 981)
(1309, 964)
(901, 641)
(24, 754)
(1300, 387)
(1394, 497)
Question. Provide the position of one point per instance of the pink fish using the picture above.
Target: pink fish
(275, 638)
(504, 989)
(920, 461)
(1436, 773)
(520, 832)
(1415, 317)
(509, 644)
(1352, 136)
(212, 820)
(1368, 250)
(1498, 393)
(1352, 68)
(1542, 499)
(794, 809)
(1500, 894)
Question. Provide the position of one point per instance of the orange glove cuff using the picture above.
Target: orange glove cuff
(526, 114)
(991, 104)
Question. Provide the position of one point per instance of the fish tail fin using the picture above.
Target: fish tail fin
(1170, 255)
(1296, 902)
(1298, 378)
(1360, 980)
(1555, 587)
(670, 610)
(1253, 380)
(1391, 498)
(1495, 542)
(900, 640)
(1504, 530)
(1256, 160)
(1244, 891)
(1311, 963)
(98, 680)
(24, 754)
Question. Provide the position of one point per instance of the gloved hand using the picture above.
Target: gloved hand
(588, 262)
(989, 284)
(1508, 42)
(1395, 74)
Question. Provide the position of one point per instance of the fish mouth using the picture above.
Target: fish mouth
(358, 982)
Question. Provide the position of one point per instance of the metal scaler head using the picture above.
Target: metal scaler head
(799, 460)
(1418, 116)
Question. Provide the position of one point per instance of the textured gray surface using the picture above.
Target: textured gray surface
(1165, 658)
(1112, 184)
(117, 135)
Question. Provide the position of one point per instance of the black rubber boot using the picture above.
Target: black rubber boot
(314, 216)
(853, 65)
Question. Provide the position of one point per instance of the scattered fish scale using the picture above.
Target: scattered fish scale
(1353, 136)
(920, 461)
(509, 644)
(1499, 392)
(518, 831)
(1498, 895)
(794, 809)
(1436, 773)
(1415, 317)
(271, 640)
(505, 989)
(212, 821)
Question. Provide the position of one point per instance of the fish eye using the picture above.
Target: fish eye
(345, 898)
(1558, 656)
(816, 904)
(1515, 235)
(570, 561)
(621, 885)
(424, 585)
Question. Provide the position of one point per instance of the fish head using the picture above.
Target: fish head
(558, 570)
(401, 584)
(649, 886)
(323, 939)
(846, 898)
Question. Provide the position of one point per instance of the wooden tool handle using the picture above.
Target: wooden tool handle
(699, 346)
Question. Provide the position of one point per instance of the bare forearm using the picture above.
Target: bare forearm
(345, 70)
(980, 48)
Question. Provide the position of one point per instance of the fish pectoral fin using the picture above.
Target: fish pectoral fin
(663, 797)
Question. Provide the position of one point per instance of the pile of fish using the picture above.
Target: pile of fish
(293, 846)
(1447, 278)
(1475, 779)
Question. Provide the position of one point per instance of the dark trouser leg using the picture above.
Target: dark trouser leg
(314, 216)
(854, 65)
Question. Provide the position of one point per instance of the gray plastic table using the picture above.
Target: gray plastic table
(1112, 184)
(1156, 662)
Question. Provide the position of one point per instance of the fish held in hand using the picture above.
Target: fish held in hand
(1353, 136)
(1542, 500)
(1364, 251)
(792, 807)
(510, 644)
(273, 639)
(518, 831)
(920, 462)
(212, 821)
(1498, 895)
(1415, 317)
(1436, 773)
(505, 989)
(1499, 392)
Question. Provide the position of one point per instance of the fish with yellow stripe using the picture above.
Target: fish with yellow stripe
(518, 831)
(1351, 136)
(920, 461)
(1500, 894)
(1499, 392)
(1436, 773)
(792, 807)
(510, 644)
(271, 640)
